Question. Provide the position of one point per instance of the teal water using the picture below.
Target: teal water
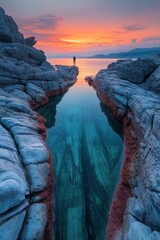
(85, 142)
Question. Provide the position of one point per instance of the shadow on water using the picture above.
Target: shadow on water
(115, 124)
(48, 111)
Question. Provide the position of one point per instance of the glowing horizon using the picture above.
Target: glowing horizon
(87, 27)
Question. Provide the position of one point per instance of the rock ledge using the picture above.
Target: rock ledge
(26, 81)
(131, 90)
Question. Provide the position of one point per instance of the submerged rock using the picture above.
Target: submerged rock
(135, 210)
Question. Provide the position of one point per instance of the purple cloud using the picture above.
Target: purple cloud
(44, 21)
(149, 39)
(42, 25)
(132, 28)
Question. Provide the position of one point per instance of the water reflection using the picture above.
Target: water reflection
(48, 111)
(114, 123)
(86, 161)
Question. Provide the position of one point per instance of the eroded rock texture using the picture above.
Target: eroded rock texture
(26, 81)
(135, 211)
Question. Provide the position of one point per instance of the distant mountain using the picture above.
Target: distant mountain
(135, 53)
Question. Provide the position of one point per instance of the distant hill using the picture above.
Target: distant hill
(135, 53)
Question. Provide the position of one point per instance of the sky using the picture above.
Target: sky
(87, 27)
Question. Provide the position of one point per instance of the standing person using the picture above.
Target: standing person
(74, 60)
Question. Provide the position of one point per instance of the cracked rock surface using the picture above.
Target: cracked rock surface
(131, 90)
(26, 81)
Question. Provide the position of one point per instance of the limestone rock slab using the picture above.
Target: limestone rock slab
(10, 230)
(133, 71)
(119, 88)
(36, 220)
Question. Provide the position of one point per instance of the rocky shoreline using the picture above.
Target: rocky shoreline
(131, 90)
(26, 81)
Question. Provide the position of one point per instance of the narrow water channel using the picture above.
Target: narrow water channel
(86, 147)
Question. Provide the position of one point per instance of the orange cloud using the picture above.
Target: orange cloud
(57, 35)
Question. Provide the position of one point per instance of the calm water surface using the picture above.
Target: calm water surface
(82, 136)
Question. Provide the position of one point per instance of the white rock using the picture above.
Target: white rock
(38, 176)
(10, 230)
(36, 220)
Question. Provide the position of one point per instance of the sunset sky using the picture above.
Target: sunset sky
(87, 27)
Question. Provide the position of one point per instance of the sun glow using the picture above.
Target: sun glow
(70, 40)
(85, 37)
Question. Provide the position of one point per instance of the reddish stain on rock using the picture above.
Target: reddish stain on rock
(47, 194)
(123, 191)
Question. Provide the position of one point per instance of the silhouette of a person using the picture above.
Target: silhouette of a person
(74, 60)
